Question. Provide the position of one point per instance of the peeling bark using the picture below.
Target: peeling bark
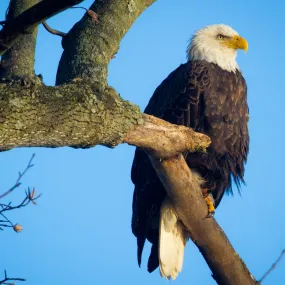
(172, 140)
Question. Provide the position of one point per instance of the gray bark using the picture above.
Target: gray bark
(18, 61)
(77, 114)
(91, 44)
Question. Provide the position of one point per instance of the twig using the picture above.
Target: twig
(79, 7)
(17, 184)
(90, 13)
(10, 279)
(29, 198)
(53, 31)
(5, 222)
(272, 267)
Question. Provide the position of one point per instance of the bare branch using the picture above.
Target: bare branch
(186, 195)
(28, 20)
(79, 7)
(110, 21)
(272, 267)
(6, 278)
(19, 60)
(173, 140)
(30, 197)
(53, 31)
(21, 174)
(5, 222)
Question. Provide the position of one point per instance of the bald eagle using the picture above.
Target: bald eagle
(209, 94)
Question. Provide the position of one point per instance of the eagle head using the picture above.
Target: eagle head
(217, 44)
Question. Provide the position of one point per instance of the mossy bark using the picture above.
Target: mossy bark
(90, 45)
(83, 113)
(78, 114)
(18, 61)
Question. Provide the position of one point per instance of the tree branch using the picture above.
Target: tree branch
(19, 59)
(5, 222)
(28, 20)
(272, 267)
(21, 174)
(90, 45)
(53, 31)
(30, 197)
(186, 195)
(172, 140)
(4, 281)
(78, 114)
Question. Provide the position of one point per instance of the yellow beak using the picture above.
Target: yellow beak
(236, 42)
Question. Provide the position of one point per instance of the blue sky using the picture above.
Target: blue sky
(79, 233)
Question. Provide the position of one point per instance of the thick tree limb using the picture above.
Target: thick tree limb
(163, 139)
(27, 21)
(186, 195)
(90, 45)
(78, 114)
(19, 59)
(83, 115)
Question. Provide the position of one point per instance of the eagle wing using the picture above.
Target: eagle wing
(178, 100)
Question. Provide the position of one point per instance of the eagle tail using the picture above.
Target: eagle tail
(172, 240)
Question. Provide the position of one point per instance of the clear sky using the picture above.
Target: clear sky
(80, 233)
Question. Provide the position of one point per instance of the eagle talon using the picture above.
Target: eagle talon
(211, 205)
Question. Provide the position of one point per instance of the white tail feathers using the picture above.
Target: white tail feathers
(172, 240)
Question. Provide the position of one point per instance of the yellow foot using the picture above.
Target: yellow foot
(211, 204)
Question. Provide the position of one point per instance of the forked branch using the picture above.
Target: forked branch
(6, 279)
(21, 174)
(5, 222)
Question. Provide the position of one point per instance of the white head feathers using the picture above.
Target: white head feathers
(207, 44)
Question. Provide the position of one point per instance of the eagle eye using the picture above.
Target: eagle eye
(220, 37)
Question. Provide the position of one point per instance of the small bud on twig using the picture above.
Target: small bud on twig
(17, 228)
